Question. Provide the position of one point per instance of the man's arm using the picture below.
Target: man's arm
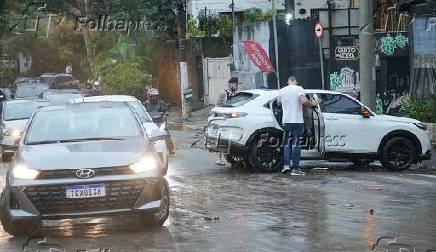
(308, 103)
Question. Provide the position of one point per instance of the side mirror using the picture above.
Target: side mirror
(365, 112)
(158, 134)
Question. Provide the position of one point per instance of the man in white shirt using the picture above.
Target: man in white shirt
(292, 98)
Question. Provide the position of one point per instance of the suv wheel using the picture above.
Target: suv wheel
(236, 160)
(14, 228)
(398, 154)
(159, 217)
(266, 157)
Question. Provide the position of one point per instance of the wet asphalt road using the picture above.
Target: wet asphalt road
(224, 209)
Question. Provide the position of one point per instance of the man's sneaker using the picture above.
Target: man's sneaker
(297, 172)
(285, 169)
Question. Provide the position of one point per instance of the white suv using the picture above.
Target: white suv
(248, 128)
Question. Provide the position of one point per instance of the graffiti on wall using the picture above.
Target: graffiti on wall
(345, 81)
(390, 102)
(388, 43)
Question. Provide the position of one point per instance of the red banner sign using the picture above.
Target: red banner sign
(258, 55)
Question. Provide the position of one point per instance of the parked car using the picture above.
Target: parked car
(59, 96)
(30, 91)
(14, 116)
(83, 160)
(248, 128)
(152, 129)
(46, 77)
(66, 81)
(7, 92)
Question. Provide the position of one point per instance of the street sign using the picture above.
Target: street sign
(319, 30)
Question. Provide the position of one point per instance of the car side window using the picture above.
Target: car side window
(337, 103)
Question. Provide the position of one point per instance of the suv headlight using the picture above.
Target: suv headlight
(422, 126)
(12, 132)
(146, 164)
(22, 172)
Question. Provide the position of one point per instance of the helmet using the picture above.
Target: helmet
(153, 94)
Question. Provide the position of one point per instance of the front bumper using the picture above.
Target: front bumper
(426, 156)
(48, 201)
(222, 145)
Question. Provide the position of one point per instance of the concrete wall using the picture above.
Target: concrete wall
(217, 6)
(249, 75)
(167, 72)
(307, 5)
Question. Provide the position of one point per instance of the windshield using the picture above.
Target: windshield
(19, 111)
(44, 79)
(140, 111)
(239, 99)
(30, 91)
(61, 96)
(83, 122)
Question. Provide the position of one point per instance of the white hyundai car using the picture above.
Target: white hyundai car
(248, 128)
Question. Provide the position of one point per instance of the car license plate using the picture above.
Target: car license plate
(85, 191)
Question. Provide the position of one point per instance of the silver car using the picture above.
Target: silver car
(80, 160)
(14, 116)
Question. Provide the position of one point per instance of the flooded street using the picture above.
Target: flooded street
(224, 209)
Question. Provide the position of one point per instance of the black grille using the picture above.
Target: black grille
(71, 173)
(51, 199)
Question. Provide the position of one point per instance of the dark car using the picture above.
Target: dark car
(7, 92)
(46, 77)
(30, 91)
(83, 160)
(59, 96)
(61, 81)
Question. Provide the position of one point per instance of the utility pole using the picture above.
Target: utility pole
(232, 6)
(276, 46)
(367, 54)
(183, 64)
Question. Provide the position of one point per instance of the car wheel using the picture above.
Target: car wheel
(398, 154)
(14, 228)
(236, 160)
(266, 157)
(159, 217)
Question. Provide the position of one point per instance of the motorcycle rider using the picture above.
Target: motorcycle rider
(156, 107)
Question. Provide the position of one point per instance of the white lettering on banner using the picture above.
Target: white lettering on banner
(431, 23)
(347, 53)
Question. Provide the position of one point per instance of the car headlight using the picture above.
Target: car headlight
(16, 134)
(422, 126)
(146, 164)
(22, 172)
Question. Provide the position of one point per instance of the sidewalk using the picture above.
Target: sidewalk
(196, 122)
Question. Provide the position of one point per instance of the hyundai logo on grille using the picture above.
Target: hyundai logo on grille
(85, 173)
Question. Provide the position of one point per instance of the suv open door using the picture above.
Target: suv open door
(312, 142)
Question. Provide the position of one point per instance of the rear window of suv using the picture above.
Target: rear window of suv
(239, 99)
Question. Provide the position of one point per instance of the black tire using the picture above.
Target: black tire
(237, 160)
(264, 156)
(398, 154)
(14, 228)
(158, 218)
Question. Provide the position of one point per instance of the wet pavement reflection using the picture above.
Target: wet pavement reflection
(226, 209)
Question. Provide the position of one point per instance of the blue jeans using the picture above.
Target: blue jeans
(292, 148)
